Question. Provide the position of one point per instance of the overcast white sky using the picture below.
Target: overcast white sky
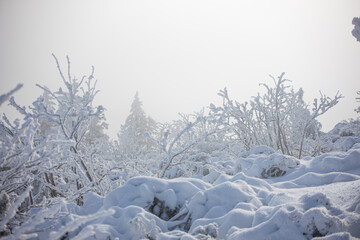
(179, 54)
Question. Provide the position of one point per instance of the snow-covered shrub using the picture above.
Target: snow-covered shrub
(24, 160)
(279, 118)
(63, 141)
(342, 137)
(181, 148)
(179, 142)
(345, 129)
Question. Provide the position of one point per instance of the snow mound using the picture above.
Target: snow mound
(346, 143)
(160, 197)
(261, 149)
(264, 162)
(344, 136)
(337, 161)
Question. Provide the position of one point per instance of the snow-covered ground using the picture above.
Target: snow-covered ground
(273, 197)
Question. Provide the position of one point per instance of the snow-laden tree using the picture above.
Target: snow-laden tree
(279, 118)
(132, 142)
(74, 128)
(23, 161)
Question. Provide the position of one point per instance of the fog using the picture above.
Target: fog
(179, 54)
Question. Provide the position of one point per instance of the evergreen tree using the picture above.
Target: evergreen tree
(132, 140)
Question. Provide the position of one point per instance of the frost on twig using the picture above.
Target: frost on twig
(11, 212)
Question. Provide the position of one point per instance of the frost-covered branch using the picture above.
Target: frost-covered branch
(11, 212)
(184, 140)
(21, 110)
(320, 107)
(169, 151)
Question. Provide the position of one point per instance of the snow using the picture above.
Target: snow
(263, 165)
(316, 197)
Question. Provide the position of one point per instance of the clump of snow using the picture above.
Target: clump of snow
(212, 176)
(261, 149)
(317, 222)
(210, 230)
(262, 161)
(160, 197)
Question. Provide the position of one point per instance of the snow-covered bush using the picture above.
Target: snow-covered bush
(279, 118)
(343, 136)
(62, 136)
(23, 161)
(185, 145)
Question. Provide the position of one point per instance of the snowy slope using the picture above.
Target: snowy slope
(311, 197)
